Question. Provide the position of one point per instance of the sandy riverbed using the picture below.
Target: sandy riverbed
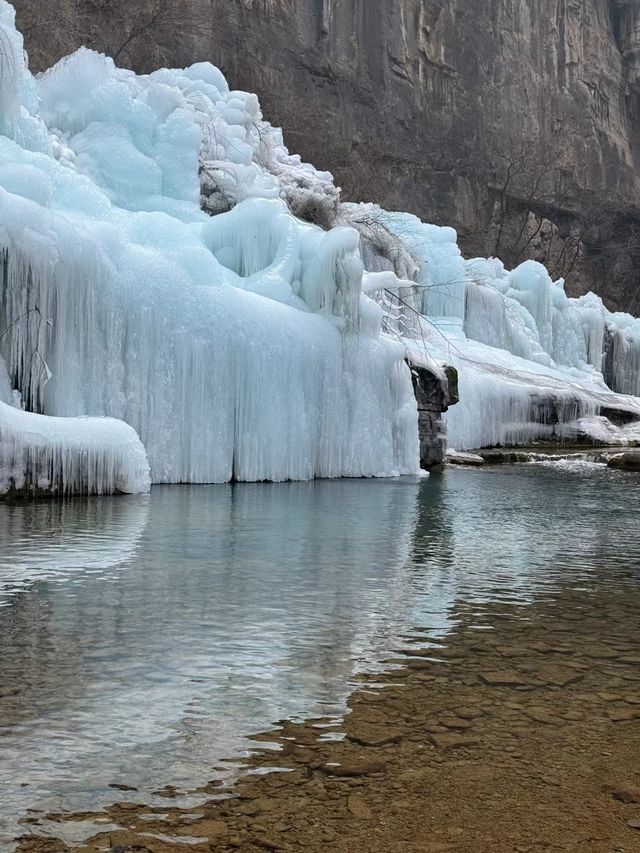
(521, 734)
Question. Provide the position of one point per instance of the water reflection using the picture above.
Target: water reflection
(46, 541)
(142, 640)
(233, 607)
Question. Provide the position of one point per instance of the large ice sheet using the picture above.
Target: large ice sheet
(159, 268)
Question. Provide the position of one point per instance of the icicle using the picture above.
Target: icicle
(11, 70)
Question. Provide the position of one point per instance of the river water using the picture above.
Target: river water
(143, 639)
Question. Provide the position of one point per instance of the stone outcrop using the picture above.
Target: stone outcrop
(516, 121)
(434, 394)
(628, 461)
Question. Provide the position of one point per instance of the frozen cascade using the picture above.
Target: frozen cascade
(39, 454)
(11, 70)
(241, 345)
(533, 363)
(621, 360)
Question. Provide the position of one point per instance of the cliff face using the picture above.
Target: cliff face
(515, 121)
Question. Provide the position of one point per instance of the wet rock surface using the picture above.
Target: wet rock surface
(542, 452)
(434, 395)
(628, 461)
(466, 460)
(524, 737)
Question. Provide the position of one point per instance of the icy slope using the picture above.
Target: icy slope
(237, 346)
(532, 362)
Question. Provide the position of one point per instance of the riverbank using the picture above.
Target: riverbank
(521, 733)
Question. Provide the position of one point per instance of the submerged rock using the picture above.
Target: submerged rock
(627, 461)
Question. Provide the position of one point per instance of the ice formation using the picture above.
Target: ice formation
(40, 454)
(533, 363)
(241, 345)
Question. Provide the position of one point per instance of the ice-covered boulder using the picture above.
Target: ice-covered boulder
(40, 455)
(181, 134)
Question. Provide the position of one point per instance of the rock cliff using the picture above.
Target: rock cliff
(516, 121)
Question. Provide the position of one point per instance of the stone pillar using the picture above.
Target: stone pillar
(434, 395)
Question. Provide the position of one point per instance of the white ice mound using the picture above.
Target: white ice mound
(239, 346)
(61, 456)
(155, 142)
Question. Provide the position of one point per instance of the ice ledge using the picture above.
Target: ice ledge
(42, 455)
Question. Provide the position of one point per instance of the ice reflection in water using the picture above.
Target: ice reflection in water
(47, 541)
(142, 639)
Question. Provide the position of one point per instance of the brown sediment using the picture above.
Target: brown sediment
(524, 737)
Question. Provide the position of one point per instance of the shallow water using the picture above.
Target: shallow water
(143, 639)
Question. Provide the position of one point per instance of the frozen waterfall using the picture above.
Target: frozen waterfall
(238, 346)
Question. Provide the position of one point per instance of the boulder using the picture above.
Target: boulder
(469, 460)
(627, 461)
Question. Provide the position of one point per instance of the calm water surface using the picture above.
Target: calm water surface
(142, 639)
